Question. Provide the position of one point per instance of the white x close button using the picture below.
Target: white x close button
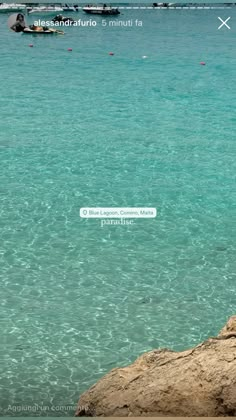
(224, 22)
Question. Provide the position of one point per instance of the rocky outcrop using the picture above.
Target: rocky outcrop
(197, 382)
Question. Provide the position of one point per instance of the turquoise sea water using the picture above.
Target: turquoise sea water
(83, 128)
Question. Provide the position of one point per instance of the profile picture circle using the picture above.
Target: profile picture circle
(16, 22)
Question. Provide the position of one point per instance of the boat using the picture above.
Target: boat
(67, 8)
(101, 10)
(163, 4)
(39, 30)
(64, 19)
(11, 7)
(45, 9)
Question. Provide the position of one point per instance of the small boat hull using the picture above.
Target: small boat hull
(42, 32)
(108, 11)
(42, 10)
(70, 9)
(63, 19)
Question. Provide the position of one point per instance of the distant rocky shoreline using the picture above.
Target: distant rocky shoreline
(196, 382)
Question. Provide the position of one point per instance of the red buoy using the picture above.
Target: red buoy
(111, 53)
(30, 45)
(203, 63)
(69, 49)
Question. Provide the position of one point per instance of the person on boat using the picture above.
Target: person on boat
(58, 18)
(104, 6)
(19, 24)
(35, 28)
(38, 28)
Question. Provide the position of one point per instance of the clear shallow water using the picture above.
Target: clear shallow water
(87, 129)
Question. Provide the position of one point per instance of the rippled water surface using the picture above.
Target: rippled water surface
(84, 128)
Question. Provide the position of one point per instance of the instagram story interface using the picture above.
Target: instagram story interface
(117, 184)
